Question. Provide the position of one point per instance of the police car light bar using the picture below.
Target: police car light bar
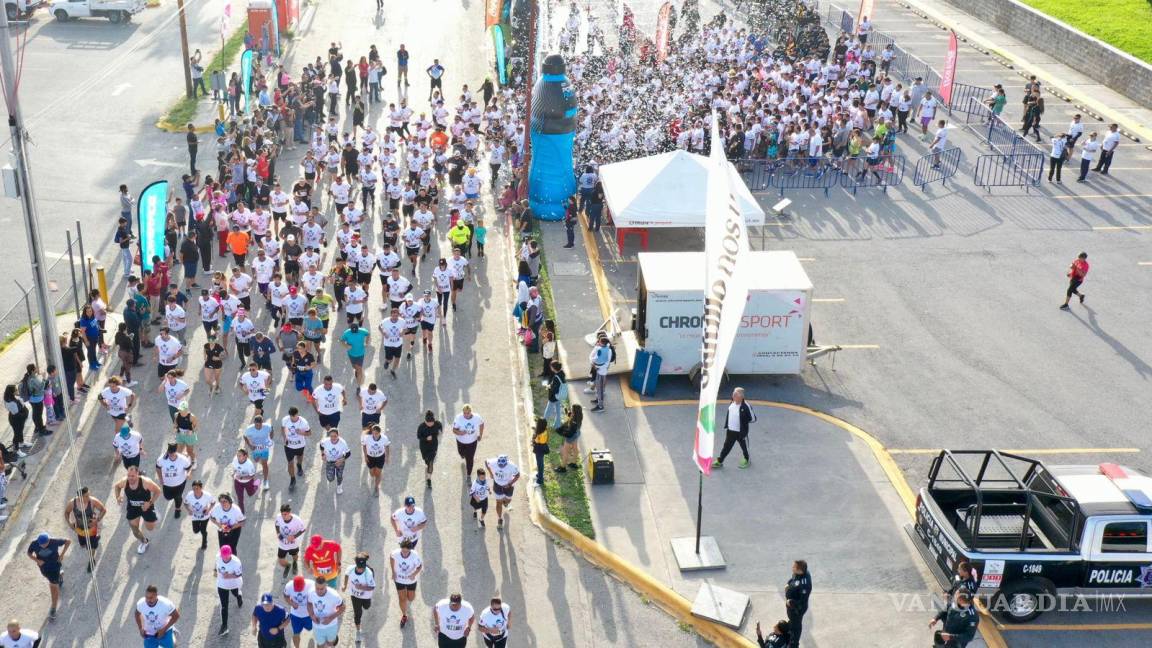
(1130, 487)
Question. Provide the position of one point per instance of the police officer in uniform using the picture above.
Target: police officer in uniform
(960, 621)
(778, 638)
(796, 593)
(963, 581)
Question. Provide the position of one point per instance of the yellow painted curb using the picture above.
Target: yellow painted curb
(173, 128)
(665, 597)
(1145, 134)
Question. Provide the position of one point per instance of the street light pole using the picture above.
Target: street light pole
(184, 50)
(52, 352)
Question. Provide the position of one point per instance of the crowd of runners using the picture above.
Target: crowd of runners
(277, 270)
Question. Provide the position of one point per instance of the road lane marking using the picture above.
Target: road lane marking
(828, 300)
(1144, 263)
(1026, 451)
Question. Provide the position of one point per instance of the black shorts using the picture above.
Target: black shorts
(405, 587)
(258, 403)
(293, 453)
(393, 353)
(369, 419)
(428, 326)
(481, 506)
(412, 251)
(162, 369)
(173, 493)
(376, 463)
(428, 452)
(458, 284)
(284, 553)
(329, 420)
(137, 512)
(502, 491)
(130, 461)
(91, 543)
(279, 216)
(52, 573)
(296, 321)
(411, 331)
(1074, 286)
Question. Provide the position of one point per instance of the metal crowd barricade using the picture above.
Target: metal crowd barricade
(936, 167)
(1018, 170)
(889, 173)
(757, 174)
(847, 23)
(969, 99)
(805, 173)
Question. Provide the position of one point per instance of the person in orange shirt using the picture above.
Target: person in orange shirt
(238, 244)
(323, 558)
(439, 139)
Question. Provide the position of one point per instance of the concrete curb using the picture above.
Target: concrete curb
(1134, 131)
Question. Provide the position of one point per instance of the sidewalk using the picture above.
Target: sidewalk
(847, 524)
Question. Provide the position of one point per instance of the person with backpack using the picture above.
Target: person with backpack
(17, 417)
(32, 388)
(570, 432)
(600, 357)
(557, 393)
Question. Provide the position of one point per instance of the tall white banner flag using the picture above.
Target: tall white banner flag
(725, 292)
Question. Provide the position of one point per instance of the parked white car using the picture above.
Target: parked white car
(117, 11)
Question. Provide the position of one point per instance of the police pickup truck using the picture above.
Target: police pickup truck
(1037, 535)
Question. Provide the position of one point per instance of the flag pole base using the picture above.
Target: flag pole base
(687, 559)
(720, 605)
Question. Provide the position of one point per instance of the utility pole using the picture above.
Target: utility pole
(52, 353)
(184, 50)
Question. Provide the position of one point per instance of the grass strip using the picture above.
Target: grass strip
(1123, 24)
(184, 110)
(565, 494)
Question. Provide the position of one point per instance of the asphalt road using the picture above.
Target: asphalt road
(555, 597)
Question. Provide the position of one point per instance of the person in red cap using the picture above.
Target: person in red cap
(296, 594)
(323, 557)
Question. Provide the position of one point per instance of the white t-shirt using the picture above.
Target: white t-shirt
(209, 309)
(393, 332)
(241, 285)
(495, 620)
(453, 624)
(404, 571)
(27, 639)
(230, 518)
(370, 403)
(174, 392)
(502, 476)
(409, 521)
(326, 605)
(479, 490)
(457, 265)
(289, 535)
(168, 350)
(298, 601)
(334, 451)
(469, 426)
(243, 472)
(293, 437)
(117, 401)
(129, 447)
(373, 446)
(340, 192)
(156, 616)
(358, 582)
(175, 317)
(354, 300)
(173, 472)
(443, 279)
(257, 385)
(263, 269)
(199, 506)
(429, 310)
(398, 287)
(329, 400)
(229, 575)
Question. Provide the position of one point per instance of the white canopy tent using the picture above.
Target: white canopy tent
(668, 190)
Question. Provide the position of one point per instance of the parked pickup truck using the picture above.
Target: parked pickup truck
(117, 11)
(1036, 533)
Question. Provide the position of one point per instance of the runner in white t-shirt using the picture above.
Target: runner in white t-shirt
(290, 530)
(409, 521)
(468, 427)
(198, 503)
(374, 444)
(494, 622)
(392, 331)
(296, 431)
(155, 616)
(360, 583)
(406, 567)
(453, 619)
(325, 606)
(505, 474)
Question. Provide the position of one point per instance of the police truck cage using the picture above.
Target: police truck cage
(998, 500)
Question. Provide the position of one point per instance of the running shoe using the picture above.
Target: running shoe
(339, 490)
(403, 620)
(299, 470)
(223, 631)
(142, 547)
(266, 486)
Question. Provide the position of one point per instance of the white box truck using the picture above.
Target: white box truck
(773, 335)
